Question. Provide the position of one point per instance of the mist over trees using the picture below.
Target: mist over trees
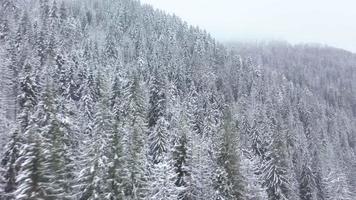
(112, 99)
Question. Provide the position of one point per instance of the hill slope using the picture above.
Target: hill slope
(112, 99)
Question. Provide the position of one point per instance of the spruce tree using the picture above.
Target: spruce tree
(306, 183)
(274, 167)
(230, 182)
(32, 179)
(182, 160)
(9, 166)
(135, 127)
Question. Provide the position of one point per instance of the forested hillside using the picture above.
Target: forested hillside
(111, 99)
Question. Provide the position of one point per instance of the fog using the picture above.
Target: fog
(304, 21)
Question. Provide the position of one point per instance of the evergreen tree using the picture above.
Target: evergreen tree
(162, 186)
(135, 126)
(9, 166)
(274, 167)
(58, 140)
(182, 156)
(116, 162)
(159, 140)
(157, 100)
(230, 182)
(306, 187)
(91, 185)
(253, 184)
(32, 178)
(202, 168)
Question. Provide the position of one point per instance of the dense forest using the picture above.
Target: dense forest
(112, 99)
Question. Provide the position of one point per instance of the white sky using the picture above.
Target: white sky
(331, 22)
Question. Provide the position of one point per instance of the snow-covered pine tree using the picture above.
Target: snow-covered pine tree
(274, 167)
(116, 161)
(9, 168)
(87, 102)
(202, 167)
(230, 181)
(253, 187)
(162, 171)
(258, 132)
(59, 142)
(91, 185)
(22, 99)
(199, 145)
(159, 140)
(162, 185)
(306, 182)
(182, 160)
(157, 102)
(195, 110)
(116, 166)
(136, 142)
(32, 179)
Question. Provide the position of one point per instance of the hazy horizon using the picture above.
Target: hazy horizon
(320, 21)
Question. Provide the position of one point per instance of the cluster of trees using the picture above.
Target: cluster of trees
(112, 99)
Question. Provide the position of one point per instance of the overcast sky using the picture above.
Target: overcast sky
(331, 22)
